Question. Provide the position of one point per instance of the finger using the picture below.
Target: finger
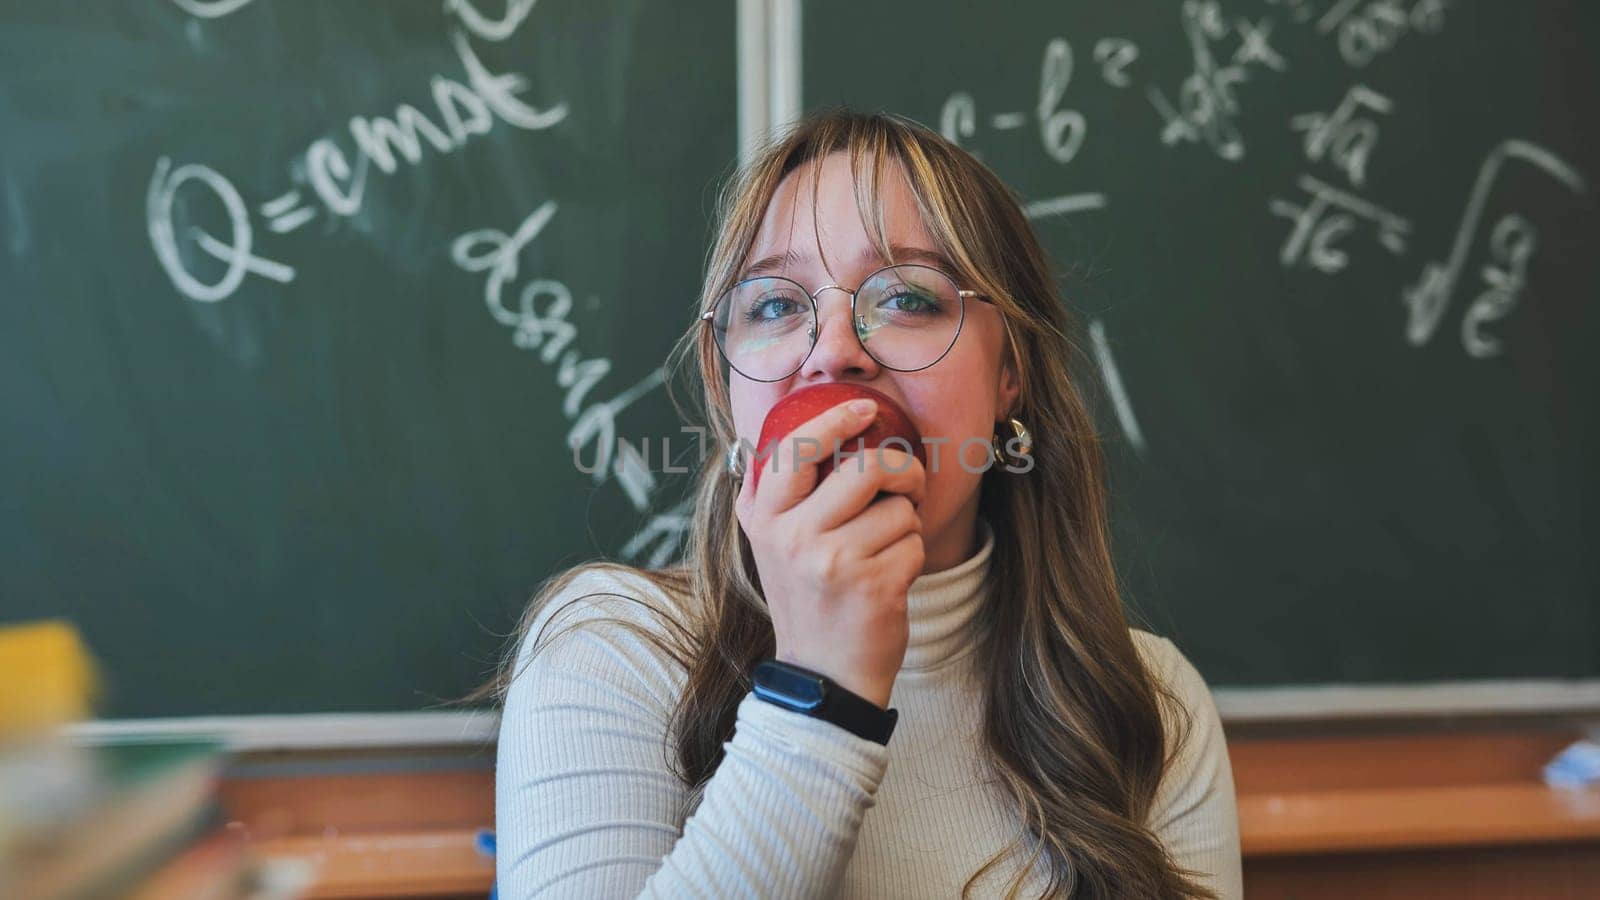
(857, 480)
(906, 553)
(884, 522)
(896, 466)
(790, 469)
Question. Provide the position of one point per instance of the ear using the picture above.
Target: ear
(1008, 389)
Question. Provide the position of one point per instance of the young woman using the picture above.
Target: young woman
(1037, 746)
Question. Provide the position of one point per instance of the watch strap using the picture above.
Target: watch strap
(837, 704)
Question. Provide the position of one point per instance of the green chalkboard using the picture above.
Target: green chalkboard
(1338, 263)
(304, 306)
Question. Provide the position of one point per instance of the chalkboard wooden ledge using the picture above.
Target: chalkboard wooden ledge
(438, 863)
(1312, 811)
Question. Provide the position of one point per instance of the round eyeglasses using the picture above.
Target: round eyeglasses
(907, 317)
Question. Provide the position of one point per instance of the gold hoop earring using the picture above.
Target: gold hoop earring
(1024, 443)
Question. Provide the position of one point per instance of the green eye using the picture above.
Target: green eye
(910, 302)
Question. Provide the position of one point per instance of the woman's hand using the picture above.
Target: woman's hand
(837, 558)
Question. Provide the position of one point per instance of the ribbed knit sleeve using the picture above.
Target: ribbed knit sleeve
(1195, 812)
(586, 805)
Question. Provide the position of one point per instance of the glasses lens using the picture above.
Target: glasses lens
(908, 316)
(764, 327)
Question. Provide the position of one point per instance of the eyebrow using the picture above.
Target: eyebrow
(777, 263)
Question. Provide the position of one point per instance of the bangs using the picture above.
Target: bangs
(876, 149)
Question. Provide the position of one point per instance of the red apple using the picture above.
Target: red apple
(805, 404)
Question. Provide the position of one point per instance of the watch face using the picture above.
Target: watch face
(788, 687)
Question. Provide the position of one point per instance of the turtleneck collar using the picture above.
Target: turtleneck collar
(941, 606)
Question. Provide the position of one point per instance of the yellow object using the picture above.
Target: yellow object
(47, 677)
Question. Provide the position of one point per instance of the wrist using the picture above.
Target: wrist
(811, 693)
(876, 691)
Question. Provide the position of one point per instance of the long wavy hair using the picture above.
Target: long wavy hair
(1073, 727)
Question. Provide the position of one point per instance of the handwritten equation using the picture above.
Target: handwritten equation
(1344, 139)
(1333, 214)
(1061, 130)
(327, 180)
(330, 180)
(1511, 242)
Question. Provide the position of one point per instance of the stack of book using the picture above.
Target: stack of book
(135, 819)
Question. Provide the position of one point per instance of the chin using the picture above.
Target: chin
(938, 510)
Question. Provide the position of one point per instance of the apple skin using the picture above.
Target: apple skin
(798, 407)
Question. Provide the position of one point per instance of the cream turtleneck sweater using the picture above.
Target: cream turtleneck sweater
(587, 807)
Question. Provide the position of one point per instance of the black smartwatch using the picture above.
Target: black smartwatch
(820, 697)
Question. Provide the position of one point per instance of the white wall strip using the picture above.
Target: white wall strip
(321, 731)
(787, 98)
(1279, 704)
(755, 93)
(770, 95)
(333, 731)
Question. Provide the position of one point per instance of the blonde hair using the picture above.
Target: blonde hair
(1073, 730)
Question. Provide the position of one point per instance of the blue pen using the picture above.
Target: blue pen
(484, 842)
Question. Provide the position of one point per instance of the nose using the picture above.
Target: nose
(838, 354)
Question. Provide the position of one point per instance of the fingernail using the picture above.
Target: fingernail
(863, 407)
